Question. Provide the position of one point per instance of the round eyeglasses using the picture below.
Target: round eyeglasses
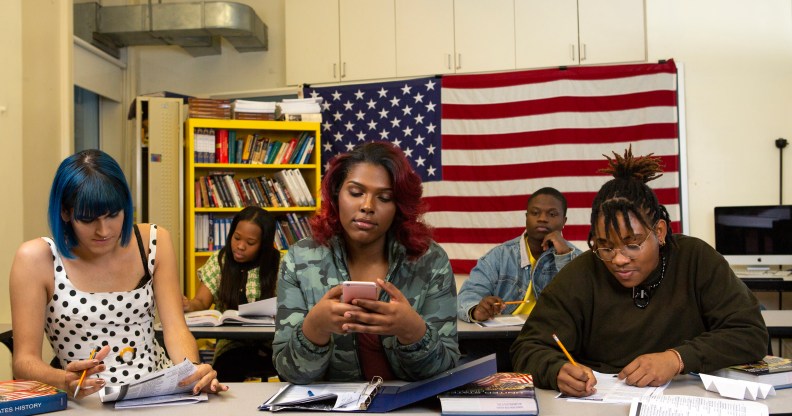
(631, 251)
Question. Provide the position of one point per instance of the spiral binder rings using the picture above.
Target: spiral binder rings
(374, 396)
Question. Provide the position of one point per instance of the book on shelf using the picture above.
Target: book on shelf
(496, 394)
(213, 317)
(776, 371)
(28, 397)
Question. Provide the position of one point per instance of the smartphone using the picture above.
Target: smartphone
(358, 290)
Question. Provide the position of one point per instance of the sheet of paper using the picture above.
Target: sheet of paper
(350, 395)
(264, 307)
(158, 383)
(695, 406)
(737, 389)
(612, 390)
(166, 400)
(503, 320)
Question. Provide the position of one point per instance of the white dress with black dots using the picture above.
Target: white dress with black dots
(78, 321)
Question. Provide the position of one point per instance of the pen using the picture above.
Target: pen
(555, 337)
(82, 377)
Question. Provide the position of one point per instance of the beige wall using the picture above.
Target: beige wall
(737, 58)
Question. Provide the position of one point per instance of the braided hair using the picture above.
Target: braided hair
(628, 193)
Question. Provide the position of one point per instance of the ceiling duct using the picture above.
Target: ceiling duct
(196, 27)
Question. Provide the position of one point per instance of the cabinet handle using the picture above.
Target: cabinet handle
(583, 53)
(343, 70)
(459, 61)
(448, 60)
(572, 52)
(334, 70)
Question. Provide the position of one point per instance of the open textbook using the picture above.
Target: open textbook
(260, 313)
(160, 388)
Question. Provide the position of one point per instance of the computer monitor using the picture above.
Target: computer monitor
(754, 235)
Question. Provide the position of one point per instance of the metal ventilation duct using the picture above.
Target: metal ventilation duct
(196, 27)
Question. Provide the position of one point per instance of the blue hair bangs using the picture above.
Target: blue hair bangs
(87, 185)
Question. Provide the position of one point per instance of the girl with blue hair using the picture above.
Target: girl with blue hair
(94, 288)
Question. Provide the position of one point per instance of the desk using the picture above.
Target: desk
(779, 324)
(244, 398)
(769, 285)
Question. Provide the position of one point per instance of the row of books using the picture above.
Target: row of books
(211, 231)
(290, 229)
(223, 146)
(286, 188)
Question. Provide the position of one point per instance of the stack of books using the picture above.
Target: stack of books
(209, 108)
(301, 109)
(253, 110)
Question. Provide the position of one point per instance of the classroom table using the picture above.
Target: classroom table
(779, 325)
(244, 398)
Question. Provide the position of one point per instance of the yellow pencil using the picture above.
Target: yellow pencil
(571, 360)
(513, 302)
(82, 377)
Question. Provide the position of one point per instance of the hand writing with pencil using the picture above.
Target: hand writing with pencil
(574, 379)
(78, 374)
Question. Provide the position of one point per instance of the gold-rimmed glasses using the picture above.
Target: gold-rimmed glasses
(631, 251)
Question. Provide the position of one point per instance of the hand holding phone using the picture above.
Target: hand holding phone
(358, 290)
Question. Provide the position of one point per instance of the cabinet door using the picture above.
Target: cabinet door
(312, 43)
(424, 37)
(484, 35)
(546, 33)
(611, 31)
(368, 39)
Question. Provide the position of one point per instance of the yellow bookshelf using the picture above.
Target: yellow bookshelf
(282, 131)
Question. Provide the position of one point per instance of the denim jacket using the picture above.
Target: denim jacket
(505, 272)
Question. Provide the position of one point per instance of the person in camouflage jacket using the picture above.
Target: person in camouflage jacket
(369, 229)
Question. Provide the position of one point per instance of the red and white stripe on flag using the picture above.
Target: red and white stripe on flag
(506, 135)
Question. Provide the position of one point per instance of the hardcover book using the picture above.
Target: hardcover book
(497, 394)
(26, 397)
(773, 370)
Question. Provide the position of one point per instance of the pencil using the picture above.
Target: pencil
(571, 360)
(82, 377)
(516, 302)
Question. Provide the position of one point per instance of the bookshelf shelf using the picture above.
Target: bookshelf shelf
(197, 210)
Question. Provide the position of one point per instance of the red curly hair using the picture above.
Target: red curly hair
(408, 227)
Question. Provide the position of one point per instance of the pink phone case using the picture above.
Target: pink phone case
(358, 290)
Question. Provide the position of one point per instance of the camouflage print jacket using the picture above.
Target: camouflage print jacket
(309, 270)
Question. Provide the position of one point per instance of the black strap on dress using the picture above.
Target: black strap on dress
(145, 279)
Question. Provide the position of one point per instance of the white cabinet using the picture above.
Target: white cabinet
(611, 31)
(368, 39)
(572, 32)
(484, 35)
(424, 37)
(340, 40)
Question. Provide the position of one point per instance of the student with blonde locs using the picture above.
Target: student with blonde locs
(642, 303)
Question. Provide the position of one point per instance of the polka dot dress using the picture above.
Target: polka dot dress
(77, 321)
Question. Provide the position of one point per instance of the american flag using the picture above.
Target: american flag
(505, 135)
(406, 113)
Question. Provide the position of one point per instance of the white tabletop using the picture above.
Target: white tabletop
(244, 398)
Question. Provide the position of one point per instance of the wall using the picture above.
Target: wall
(11, 212)
(737, 58)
